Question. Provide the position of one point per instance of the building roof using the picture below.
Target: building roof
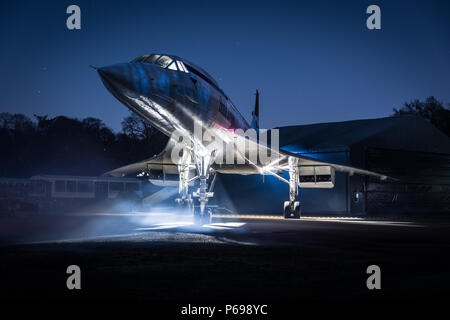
(340, 136)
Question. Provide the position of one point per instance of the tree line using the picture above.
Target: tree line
(69, 146)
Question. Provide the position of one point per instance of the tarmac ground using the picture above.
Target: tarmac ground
(165, 257)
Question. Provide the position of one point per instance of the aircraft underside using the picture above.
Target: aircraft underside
(196, 202)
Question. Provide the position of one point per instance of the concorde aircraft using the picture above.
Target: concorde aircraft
(178, 98)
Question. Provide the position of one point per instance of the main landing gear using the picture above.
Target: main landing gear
(291, 208)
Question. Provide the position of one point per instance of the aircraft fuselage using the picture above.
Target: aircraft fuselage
(171, 99)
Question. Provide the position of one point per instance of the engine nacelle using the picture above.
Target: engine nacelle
(316, 177)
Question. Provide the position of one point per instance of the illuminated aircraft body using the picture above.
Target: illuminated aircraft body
(176, 96)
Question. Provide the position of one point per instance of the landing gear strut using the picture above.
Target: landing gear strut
(185, 202)
(202, 161)
(291, 208)
(202, 214)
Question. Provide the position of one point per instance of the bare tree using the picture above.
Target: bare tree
(431, 109)
(16, 121)
(137, 128)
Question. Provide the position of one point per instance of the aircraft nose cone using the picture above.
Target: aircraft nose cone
(110, 72)
(116, 79)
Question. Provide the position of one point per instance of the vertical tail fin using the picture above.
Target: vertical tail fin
(255, 113)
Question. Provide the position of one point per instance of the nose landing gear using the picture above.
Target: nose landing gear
(201, 212)
(185, 202)
(185, 205)
(202, 218)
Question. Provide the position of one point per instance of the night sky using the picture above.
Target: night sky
(312, 61)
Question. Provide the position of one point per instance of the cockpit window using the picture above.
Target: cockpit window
(164, 61)
(181, 66)
(141, 58)
(172, 66)
(152, 58)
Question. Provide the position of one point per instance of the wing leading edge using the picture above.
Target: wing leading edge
(307, 161)
(163, 163)
(160, 162)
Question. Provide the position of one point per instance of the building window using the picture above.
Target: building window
(85, 186)
(131, 186)
(60, 186)
(116, 186)
(38, 187)
(71, 186)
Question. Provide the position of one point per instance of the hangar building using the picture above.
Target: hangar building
(405, 147)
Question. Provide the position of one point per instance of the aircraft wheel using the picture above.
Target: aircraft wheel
(288, 214)
(286, 210)
(190, 206)
(186, 206)
(297, 211)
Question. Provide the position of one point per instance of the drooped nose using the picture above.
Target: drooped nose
(133, 80)
(118, 79)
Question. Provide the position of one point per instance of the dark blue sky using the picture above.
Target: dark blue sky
(312, 61)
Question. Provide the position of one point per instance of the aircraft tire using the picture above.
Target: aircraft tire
(297, 211)
(186, 207)
(287, 210)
